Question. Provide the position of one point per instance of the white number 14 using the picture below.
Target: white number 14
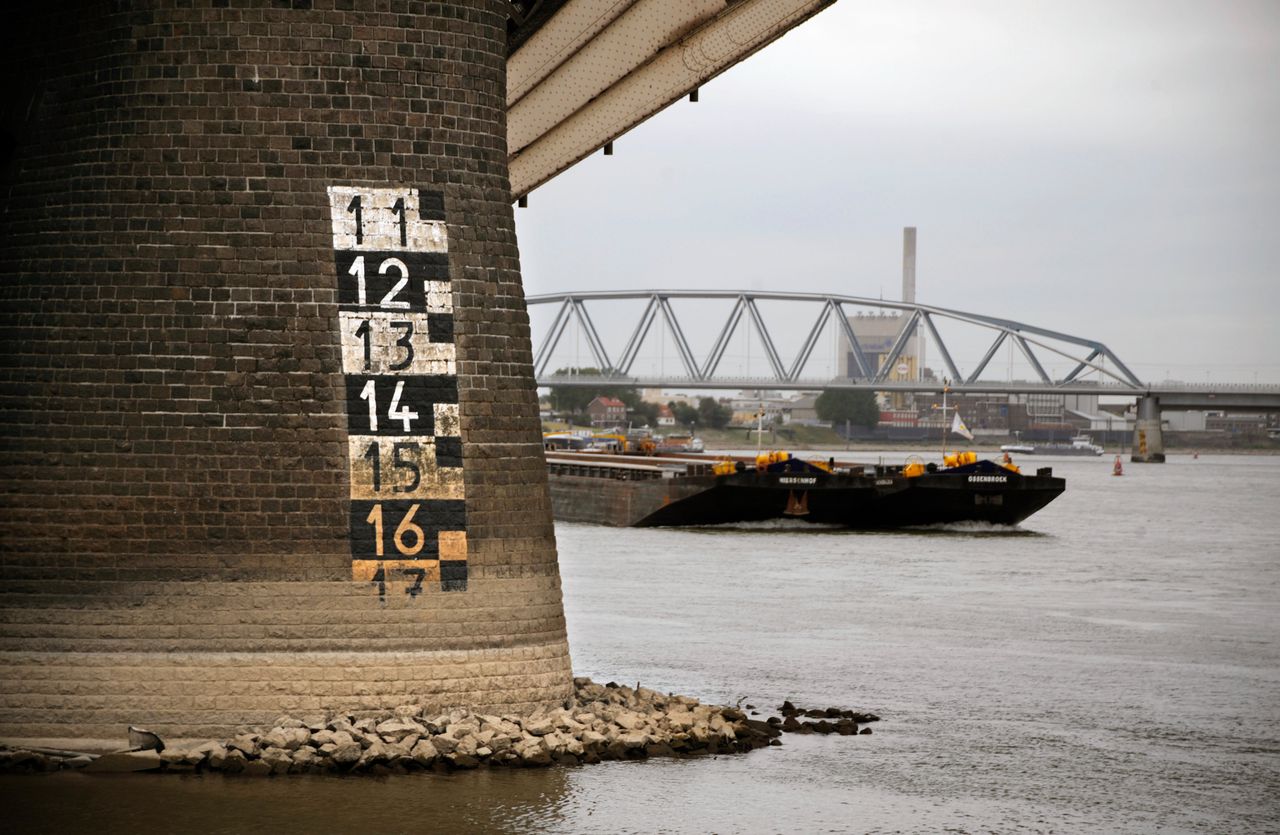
(394, 412)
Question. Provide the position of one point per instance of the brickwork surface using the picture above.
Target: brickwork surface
(176, 509)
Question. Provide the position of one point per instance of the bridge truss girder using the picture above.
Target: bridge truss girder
(788, 375)
(588, 71)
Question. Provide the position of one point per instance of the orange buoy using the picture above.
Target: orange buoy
(1118, 469)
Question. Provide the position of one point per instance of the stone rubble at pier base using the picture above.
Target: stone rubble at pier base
(600, 722)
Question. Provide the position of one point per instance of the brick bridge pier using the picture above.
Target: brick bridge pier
(270, 431)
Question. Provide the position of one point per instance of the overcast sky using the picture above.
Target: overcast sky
(1107, 169)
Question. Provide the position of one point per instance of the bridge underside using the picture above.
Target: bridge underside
(1219, 399)
(584, 72)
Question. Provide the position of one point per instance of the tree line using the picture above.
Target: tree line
(573, 400)
(836, 406)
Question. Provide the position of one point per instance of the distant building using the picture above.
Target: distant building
(900, 417)
(877, 333)
(778, 407)
(665, 416)
(1237, 424)
(802, 409)
(1189, 421)
(607, 411)
(1040, 414)
(657, 395)
(752, 407)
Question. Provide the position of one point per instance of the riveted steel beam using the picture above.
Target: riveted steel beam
(1031, 357)
(722, 341)
(766, 342)
(806, 349)
(682, 344)
(632, 349)
(593, 338)
(562, 36)
(1081, 366)
(549, 140)
(942, 347)
(991, 352)
(855, 348)
(548, 347)
(630, 39)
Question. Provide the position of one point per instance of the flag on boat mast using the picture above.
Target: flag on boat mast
(958, 427)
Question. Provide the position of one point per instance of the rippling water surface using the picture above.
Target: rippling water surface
(1110, 666)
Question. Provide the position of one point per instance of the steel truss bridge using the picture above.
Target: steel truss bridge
(1112, 375)
(1096, 368)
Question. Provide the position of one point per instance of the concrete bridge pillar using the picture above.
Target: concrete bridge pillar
(269, 435)
(1148, 438)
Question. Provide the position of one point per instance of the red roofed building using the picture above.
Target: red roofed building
(607, 411)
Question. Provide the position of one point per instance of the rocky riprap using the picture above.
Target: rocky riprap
(846, 722)
(601, 722)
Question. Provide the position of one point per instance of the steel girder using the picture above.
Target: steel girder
(1024, 336)
(594, 69)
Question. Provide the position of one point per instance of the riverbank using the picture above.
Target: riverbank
(797, 436)
(823, 438)
(986, 448)
(600, 722)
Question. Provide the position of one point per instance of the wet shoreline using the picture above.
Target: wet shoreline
(599, 723)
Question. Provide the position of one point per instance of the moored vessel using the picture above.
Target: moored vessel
(679, 443)
(1080, 444)
(672, 491)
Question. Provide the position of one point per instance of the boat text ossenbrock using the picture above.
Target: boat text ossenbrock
(660, 491)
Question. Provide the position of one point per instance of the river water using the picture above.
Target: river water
(1112, 665)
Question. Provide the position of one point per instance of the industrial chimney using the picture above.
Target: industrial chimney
(909, 264)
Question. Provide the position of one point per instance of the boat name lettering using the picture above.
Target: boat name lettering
(998, 479)
(883, 482)
(794, 480)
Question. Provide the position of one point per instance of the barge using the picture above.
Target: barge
(628, 491)
(1080, 445)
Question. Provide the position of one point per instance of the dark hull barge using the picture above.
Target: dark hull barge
(626, 491)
